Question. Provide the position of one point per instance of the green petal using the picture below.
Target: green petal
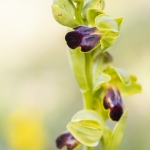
(87, 127)
(65, 5)
(105, 23)
(102, 78)
(63, 17)
(114, 72)
(77, 62)
(92, 14)
(117, 135)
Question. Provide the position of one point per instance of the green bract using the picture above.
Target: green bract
(77, 62)
(66, 6)
(87, 127)
(111, 141)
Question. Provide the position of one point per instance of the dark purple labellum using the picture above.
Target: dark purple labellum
(113, 101)
(73, 39)
(83, 36)
(66, 139)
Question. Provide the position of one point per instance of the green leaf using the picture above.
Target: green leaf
(105, 23)
(102, 78)
(66, 6)
(119, 21)
(88, 5)
(123, 76)
(77, 62)
(87, 127)
(63, 17)
(117, 135)
(92, 14)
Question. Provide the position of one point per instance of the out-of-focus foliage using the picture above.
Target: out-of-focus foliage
(25, 130)
(34, 69)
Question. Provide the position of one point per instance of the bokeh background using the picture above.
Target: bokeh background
(38, 93)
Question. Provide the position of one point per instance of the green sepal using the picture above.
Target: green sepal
(116, 137)
(92, 14)
(105, 23)
(119, 21)
(111, 34)
(66, 6)
(87, 127)
(77, 63)
(63, 17)
(89, 4)
(130, 90)
(118, 72)
(102, 78)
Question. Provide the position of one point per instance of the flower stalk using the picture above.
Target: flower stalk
(91, 33)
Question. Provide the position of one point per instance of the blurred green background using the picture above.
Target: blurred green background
(38, 93)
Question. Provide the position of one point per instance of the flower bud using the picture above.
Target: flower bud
(113, 101)
(83, 36)
(66, 139)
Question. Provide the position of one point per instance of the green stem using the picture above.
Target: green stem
(88, 67)
(88, 95)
